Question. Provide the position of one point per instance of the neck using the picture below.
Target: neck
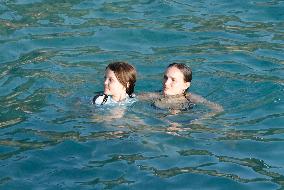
(119, 97)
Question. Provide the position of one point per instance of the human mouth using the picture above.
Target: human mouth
(165, 90)
(106, 90)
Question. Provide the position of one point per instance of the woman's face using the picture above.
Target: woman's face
(174, 83)
(112, 86)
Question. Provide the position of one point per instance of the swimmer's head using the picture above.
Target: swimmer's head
(177, 79)
(120, 77)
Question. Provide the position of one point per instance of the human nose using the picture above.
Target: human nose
(105, 82)
(166, 82)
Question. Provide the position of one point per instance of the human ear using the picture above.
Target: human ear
(187, 85)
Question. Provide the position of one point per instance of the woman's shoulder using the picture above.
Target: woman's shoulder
(195, 98)
(149, 95)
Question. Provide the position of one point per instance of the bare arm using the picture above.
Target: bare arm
(197, 99)
(148, 96)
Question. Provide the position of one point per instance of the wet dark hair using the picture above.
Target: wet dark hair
(186, 71)
(125, 74)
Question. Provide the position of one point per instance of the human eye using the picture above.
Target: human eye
(165, 77)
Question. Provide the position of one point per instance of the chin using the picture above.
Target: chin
(166, 93)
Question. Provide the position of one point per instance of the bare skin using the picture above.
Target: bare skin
(113, 87)
(197, 99)
(174, 97)
(169, 101)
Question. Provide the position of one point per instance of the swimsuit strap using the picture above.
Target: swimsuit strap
(190, 104)
(186, 97)
(105, 99)
(131, 95)
(98, 95)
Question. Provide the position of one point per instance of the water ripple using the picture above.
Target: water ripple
(53, 55)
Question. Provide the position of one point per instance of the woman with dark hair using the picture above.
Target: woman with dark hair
(177, 80)
(119, 83)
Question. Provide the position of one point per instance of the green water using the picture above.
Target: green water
(52, 60)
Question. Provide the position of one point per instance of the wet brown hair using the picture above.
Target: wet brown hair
(125, 74)
(186, 71)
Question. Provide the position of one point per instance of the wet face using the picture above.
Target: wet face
(174, 83)
(112, 86)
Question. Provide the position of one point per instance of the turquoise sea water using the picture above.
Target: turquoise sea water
(52, 59)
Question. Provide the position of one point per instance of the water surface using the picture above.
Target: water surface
(52, 59)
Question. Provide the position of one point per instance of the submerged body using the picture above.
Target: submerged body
(179, 102)
(173, 102)
(174, 96)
